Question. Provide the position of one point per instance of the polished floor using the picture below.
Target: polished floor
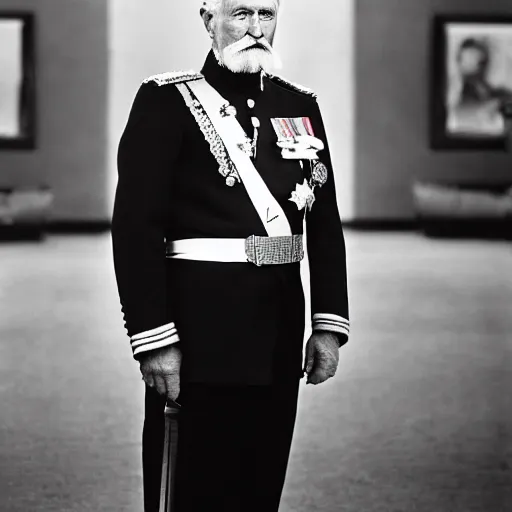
(418, 418)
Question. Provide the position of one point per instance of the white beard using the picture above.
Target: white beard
(238, 58)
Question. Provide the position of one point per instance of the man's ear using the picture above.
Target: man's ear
(207, 20)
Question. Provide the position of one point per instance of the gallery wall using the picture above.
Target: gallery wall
(143, 42)
(71, 37)
(92, 56)
(317, 47)
(170, 36)
(391, 121)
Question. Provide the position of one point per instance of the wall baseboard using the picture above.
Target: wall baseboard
(382, 224)
(439, 227)
(37, 231)
(78, 227)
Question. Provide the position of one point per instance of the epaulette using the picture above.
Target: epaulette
(292, 86)
(173, 77)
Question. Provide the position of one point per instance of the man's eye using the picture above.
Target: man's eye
(266, 16)
(241, 15)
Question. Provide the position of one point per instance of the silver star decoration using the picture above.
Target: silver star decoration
(303, 196)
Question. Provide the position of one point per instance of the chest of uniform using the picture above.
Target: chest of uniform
(280, 175)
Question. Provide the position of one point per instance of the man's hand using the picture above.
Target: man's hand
(160, 369)
(322, 357)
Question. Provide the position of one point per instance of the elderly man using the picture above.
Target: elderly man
(218, 173)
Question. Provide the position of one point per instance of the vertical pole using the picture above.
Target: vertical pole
(164, 482)
(168, 479)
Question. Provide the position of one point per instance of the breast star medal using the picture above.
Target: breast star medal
(303, 196)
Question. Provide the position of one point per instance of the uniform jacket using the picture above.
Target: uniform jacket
(236, 322)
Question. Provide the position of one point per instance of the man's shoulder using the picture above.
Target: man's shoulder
(172, 77)
(292, 86)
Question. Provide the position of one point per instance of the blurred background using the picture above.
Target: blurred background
(419, 416)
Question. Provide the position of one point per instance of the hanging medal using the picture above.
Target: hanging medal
(256, 125)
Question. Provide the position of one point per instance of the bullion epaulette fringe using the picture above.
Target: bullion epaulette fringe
(173, 77)
(293, 86)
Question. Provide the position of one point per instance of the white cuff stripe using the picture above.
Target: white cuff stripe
(329, 317)
(153, 332)
(152, 339)
(331, 327)
(330, 322)
(153, 346)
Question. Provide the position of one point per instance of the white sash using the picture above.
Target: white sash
(230, 131)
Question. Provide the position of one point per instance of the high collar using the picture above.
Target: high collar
(225, 81)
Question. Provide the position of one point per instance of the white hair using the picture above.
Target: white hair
(212, 6)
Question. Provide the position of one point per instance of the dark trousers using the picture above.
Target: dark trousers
(234, 444)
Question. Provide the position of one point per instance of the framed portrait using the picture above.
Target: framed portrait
(17, 81)
(471, 82)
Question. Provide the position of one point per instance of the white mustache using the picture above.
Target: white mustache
(247, 42)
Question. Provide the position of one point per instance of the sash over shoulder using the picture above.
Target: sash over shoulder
(233, 136)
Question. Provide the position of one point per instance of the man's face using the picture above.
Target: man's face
(243, 34)
(471, 62)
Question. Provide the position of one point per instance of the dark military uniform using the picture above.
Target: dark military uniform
(240, 326)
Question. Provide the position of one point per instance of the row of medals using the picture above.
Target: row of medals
(319, 171)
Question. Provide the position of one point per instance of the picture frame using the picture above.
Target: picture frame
(471, 82)
(17, 80)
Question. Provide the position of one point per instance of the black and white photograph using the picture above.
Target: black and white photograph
(255, 256)
(11, 77)
(17, 80)
(473, 79)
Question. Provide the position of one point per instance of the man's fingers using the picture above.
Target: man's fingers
(160, 384)
(310, 358)
(310, 363)
(319, 375)
(322, 357)
(148, 379)
(324, 368)
(167, 384)
(172, 384)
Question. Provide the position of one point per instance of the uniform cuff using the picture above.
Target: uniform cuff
(155, 338)
(331, 323)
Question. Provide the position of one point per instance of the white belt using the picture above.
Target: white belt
(208, 249)
(259, 250)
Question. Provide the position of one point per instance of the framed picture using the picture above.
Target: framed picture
(17, 81)
(471, 84)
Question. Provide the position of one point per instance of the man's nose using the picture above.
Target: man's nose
(255, 27)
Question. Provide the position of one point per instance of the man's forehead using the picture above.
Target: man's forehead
(251, 4)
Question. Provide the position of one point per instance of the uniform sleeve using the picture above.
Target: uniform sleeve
(147, 152)
(326, 251)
